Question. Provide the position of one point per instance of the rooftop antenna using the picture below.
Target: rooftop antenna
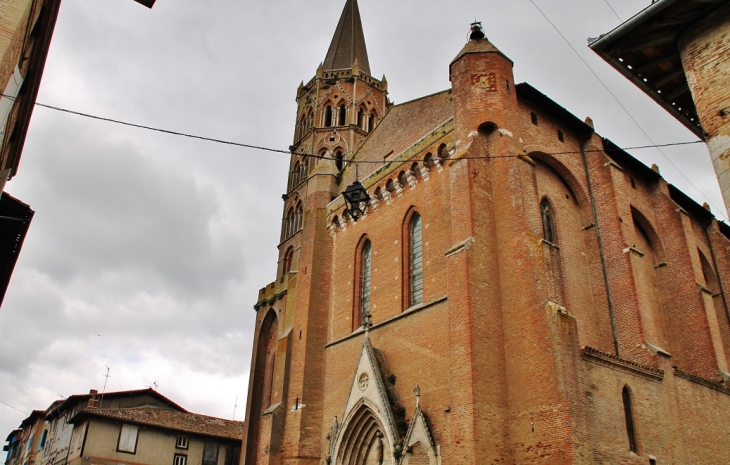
(235, 406)
(106, 376)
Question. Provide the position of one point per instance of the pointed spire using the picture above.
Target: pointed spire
(348, 44)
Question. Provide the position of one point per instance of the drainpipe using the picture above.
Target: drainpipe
(600, 244)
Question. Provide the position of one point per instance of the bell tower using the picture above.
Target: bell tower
(336, 111)
(341, 104)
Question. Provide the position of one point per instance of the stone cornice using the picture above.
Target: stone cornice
(717, 386)
(612, 361)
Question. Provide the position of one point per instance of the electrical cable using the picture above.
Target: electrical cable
(614, 11)
(309, 155)
(625, 109)
(14, 408)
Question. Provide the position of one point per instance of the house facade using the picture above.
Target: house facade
(123, 428)
(515, 288)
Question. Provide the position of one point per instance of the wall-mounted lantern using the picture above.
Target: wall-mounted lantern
(355, 195)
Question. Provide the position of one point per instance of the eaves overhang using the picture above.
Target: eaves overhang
(645, 50)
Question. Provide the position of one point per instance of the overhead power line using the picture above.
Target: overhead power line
(14, 408)
(310, 155)
(307, 155)
(165, 131)
(614, 11)
(721, 210)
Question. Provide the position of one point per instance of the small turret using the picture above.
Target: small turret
(483, 86)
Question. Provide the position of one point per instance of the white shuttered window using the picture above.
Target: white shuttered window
(128, 439)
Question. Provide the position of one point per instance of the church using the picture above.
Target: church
(476, 276)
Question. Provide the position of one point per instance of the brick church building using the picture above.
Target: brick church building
(517, 288)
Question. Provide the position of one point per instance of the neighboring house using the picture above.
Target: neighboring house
(26, 28)
(59, 444)
(677, 51)
(26, 443)
(13, 446)
(511, 287)
(123, 428)
(153, 436)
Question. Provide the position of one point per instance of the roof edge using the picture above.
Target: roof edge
(627, 26)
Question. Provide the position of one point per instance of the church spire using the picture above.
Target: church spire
(348, 44)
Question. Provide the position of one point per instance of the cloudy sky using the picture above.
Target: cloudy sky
(147, 250)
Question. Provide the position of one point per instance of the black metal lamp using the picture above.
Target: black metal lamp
(355, 195)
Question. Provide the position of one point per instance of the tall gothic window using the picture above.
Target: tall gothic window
(548, 221)
(343, 115)
(338, 160)
(328, 116)
(365, 271)
(628, 413)
(416, 261)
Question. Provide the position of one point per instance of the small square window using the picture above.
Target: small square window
(561, 137)
(182, 442)
(533, 117)
(180, 459)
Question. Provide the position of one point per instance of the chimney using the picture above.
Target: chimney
(93, 401)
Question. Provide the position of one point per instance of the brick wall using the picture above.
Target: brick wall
(521, 347)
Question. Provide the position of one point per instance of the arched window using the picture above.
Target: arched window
(338, 160)
(548, 222)
(328, 116)
(628, 413)
(415, 261)
(364, 271)
(288, 260)
(263, 385)
(360, 118)
(295, 175)
(371, 122)
(298, 218)
(288, 223)
(343, 115)
(309, 120)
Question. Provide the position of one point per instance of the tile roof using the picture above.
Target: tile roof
(55, 408)
(402, 126)
(185, 422)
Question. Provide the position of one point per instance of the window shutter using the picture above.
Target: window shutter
(11, 90)
(128, 439)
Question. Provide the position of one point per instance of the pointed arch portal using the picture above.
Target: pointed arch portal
(364, 441)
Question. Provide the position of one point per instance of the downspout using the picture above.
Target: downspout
(600, 245)
(717, 270)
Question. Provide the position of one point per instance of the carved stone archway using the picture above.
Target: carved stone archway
(363, 441)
